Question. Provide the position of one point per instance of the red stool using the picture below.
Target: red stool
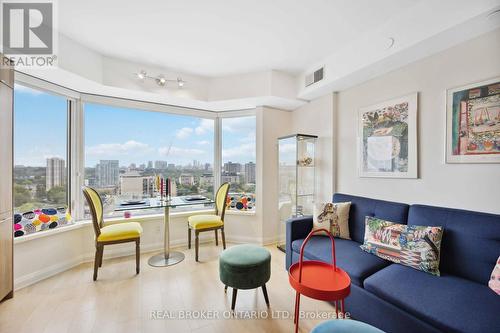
(318, 279)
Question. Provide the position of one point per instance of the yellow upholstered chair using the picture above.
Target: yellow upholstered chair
(201, 223)
(111, 234)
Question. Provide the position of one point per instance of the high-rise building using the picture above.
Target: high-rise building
(250, 173)
(107, 173)
(231, 167)
(161, 165)
(150, 164)
(54, 173)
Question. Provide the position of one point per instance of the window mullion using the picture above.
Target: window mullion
(217, 152)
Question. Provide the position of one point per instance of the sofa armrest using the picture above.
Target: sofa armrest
(296, 228)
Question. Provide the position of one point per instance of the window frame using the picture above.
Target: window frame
(71, 97)
(76, 132)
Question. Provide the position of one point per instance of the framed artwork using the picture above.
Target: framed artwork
(387, 139)
(473, 123)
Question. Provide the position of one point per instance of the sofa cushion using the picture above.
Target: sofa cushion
(414, 246)
(362, 207)
(471, 240)
(450, 303)
(357, 263)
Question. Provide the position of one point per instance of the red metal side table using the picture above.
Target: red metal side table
(318, 279)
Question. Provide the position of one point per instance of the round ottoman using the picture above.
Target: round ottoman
(245, 267)
(345, 326)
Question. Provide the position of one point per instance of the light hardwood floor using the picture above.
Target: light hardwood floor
(120, 301)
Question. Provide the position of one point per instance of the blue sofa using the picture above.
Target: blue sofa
(397, 298)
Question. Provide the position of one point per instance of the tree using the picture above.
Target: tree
(21, 195)
(57, 195)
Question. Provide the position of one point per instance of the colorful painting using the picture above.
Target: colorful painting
(410, 245)
(388, 139)
(240, 201)
(40, 220)
(473, 123)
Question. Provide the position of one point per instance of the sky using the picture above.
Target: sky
(127, 135)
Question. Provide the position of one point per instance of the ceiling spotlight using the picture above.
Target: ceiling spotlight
(161, 80)
(141, 75)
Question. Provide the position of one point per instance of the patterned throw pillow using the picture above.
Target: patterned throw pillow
(410, 245)
(333, 217)
(494, 282)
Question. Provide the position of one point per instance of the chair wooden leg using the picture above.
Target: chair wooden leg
(189, 237)
(223, 238)
(233, 302)
(196, 244)
(96, 261)
(101, 253)
(216, 238)
(266, 297)
(137, 256)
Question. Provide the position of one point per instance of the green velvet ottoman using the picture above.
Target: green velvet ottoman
(245, 267)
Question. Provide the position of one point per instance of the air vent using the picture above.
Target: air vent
(314, 77)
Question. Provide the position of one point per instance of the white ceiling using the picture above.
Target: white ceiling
(223, 37)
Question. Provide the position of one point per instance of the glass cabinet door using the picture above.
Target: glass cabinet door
(296, 178)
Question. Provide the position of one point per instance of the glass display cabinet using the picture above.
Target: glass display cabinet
(296, 174)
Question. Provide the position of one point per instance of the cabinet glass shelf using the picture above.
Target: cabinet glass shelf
(297, 172)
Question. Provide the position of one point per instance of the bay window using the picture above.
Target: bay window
(64, 140)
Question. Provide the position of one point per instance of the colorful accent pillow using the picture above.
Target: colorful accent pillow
(410, 245)
(39, 220)
(494, 282)
(333, 217)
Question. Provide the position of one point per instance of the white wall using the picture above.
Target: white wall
(467, 186)
(317, 118)
(274, 124)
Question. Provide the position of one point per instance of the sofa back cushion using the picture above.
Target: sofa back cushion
(362, 207)
(471, 240)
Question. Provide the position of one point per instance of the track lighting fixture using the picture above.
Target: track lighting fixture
(160, 79)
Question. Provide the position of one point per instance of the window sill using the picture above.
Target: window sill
(51, 232)
(141, 218)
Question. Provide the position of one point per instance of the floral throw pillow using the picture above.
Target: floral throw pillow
(410, 245)
(494, 282)
(333, 217)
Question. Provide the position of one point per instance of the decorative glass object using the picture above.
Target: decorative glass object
(297, 164)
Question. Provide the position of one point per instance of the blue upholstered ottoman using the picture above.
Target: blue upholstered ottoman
(345, 326)
(245, 267)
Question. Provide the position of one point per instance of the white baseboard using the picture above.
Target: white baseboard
(111, 253)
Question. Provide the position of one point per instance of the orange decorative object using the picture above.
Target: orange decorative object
(318, 280)
(44, 218)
